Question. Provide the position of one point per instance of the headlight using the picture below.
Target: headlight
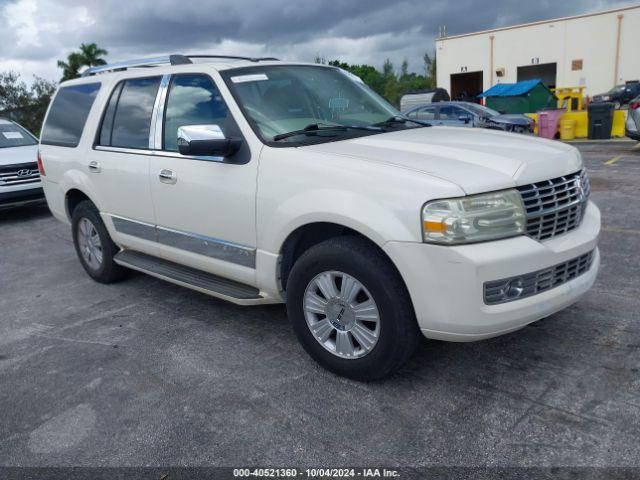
(475, 218)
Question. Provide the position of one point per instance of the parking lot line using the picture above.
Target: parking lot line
(621, 230)
(613, 160)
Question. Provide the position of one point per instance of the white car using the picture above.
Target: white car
(259, 181)
(19, 178)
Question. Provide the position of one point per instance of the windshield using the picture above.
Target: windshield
(482, 110)
(617, 89)
(13, 135)
(283, 99)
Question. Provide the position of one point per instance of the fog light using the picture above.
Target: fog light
(513, 289)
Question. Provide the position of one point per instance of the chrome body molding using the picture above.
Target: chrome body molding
(190, 242)
(156, 153)
(211, 247)
(135, 228)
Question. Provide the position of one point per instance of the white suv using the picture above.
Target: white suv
(19, 177)
(259, 181)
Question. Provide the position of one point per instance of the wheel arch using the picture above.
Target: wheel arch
(308, 235)
(72, 199)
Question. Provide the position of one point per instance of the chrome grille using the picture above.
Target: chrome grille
(555, 206)
(516, 288)
(19, 174)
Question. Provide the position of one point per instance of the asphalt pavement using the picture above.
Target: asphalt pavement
(147, 373)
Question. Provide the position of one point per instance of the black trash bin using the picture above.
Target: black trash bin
(600, 120)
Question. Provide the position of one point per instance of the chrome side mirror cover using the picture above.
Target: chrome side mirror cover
(206, 140)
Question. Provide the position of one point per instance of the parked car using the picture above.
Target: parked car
(620, 94)
(19, 178)
(633, 119)
(258, 181)
(420, 97)
(467, 114)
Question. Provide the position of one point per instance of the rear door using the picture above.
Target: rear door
(427, 113)
(119, 164)
(205, 206)
(451, 115)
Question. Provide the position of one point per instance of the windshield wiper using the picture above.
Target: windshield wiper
(313, 128)
(400, 120)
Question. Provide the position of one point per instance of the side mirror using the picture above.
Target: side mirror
(206, 140)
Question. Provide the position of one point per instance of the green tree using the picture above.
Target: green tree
(90, 55)
(388, 83)
(22, 104)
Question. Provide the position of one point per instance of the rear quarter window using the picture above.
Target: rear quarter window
(68, 115)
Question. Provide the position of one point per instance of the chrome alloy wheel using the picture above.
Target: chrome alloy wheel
(89, 243)
(341, 314)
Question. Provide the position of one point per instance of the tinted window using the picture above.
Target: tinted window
(194, 100)
(12, 135)
(425, 113)
(68, 115)
(132, 119)
(452, 113)
(107, 120)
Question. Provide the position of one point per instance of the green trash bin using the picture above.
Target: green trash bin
(600, 120)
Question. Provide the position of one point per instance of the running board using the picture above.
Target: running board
(204, 282)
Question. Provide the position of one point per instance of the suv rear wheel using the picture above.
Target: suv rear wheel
(93, 244)
(351, 310)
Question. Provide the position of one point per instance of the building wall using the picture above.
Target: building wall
(590, 38)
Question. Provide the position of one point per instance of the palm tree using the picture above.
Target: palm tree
(70, 68)
(89, 55)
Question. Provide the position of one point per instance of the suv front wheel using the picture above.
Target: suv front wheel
(351, 310)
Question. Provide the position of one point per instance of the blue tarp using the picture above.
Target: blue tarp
(510, 89)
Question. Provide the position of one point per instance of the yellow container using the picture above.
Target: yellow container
(567, 129)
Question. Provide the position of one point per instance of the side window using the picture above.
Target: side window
(68, 114)
(129, 111)
(107, 120)
(451, 113)
(426, 113)
(194, 100)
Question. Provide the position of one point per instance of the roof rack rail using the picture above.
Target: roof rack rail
(167, 59)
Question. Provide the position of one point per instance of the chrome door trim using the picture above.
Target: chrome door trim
(187, 241)
(155, 153)
(208, 246)
(155, 133)
(135, 228)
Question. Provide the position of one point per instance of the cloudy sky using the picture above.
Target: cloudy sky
(35, 33)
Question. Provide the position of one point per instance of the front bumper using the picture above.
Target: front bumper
(446, 283)
(23, 196)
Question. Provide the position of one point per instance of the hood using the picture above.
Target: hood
(13, 155)
(476, 160)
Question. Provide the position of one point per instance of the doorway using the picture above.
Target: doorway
(466, 86)
(545, 72)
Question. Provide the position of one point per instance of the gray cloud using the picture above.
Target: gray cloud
(36, 33)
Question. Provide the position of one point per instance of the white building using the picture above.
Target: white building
(597, 50)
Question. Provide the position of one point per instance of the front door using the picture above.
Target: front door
(205, 206)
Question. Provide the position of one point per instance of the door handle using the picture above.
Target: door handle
(168, 176)
(94, 166)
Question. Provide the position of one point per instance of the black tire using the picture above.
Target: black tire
(399, 333)
(108, 271)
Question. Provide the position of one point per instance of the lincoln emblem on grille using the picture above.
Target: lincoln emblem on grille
(25, 172)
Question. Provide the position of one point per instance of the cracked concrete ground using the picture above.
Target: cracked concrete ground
(146, 373)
